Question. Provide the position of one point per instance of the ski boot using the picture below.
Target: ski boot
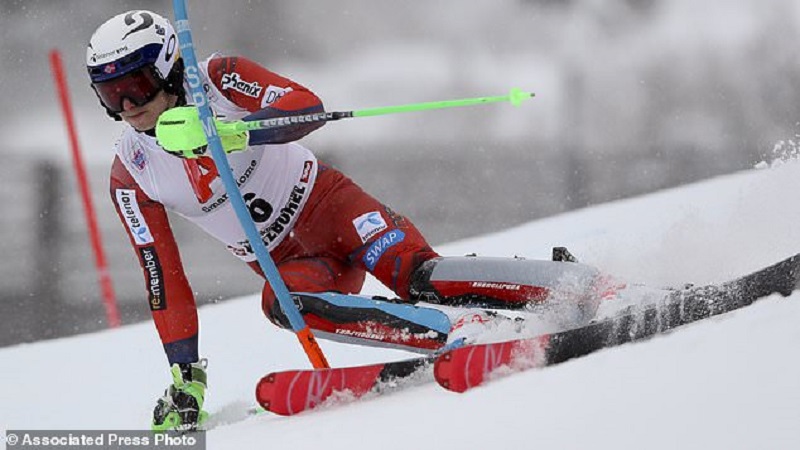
(181, 407)
(561, 254)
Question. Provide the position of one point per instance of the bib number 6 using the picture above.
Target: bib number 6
(260, 209)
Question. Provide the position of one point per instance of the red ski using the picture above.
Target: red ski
(464, 368)
(461, 369)
(294, 391)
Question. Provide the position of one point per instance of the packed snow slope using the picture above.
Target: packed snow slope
(732, 382)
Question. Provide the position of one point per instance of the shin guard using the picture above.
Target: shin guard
(509, 283)
(371, 321)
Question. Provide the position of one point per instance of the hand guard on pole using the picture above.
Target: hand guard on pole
(180, 132)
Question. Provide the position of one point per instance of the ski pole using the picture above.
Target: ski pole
(304, 334)
(178, 129)
(515, 96)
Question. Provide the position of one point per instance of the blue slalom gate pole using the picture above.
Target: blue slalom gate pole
(199, 98)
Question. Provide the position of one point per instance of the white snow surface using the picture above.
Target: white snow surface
(731, 382)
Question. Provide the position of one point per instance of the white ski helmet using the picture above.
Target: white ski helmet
(134, 55)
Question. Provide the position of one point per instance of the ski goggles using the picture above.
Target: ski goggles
(139, 87)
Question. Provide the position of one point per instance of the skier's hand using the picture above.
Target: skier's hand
(180, 132)
(181, 406)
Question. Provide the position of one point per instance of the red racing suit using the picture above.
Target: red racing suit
(323, 232)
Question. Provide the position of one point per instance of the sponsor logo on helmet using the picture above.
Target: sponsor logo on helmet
(169, 49)
(235, 82)
(100, 56)
(369, 224)
(147, 21)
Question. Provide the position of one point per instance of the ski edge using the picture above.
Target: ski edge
(351, 384)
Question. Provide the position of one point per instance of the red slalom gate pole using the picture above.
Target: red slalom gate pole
(104, 277)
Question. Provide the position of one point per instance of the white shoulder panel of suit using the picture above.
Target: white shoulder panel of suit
(275, 180)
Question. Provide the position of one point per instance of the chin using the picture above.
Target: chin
(141, 126)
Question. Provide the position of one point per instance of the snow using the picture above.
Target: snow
(731, 382)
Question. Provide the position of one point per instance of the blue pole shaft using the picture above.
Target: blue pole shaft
(200, 100)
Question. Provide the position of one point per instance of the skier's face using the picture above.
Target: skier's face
(144, 117)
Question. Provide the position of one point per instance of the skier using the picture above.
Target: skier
(322, 230)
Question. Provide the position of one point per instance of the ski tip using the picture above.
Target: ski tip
(264, 391)
(516, 96)
(445, 374)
